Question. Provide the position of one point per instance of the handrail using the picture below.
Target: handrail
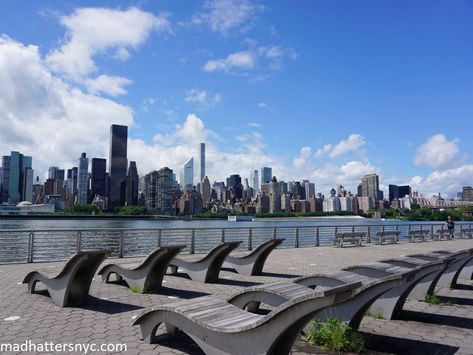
(36, 244)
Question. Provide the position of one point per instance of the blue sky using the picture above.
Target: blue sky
(320, 90)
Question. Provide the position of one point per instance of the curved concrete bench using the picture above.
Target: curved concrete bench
(253, 263)
(148, 276)
(208, 268)
(221, 328)
(351, 311)
(71, 286)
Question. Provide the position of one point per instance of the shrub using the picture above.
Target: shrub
(335, 336)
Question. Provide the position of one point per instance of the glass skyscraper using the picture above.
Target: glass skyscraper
(202, 161)
(117, 165)
(82, 178)
(98, 180)
(266, 175)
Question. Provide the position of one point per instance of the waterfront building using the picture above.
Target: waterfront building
(286, 202)
(262, 203)
(82, 178)
(266, 174)
(397, 192)
(132, 181)
(254, 181)
(316, 204)
(202, 161)
(467, 193)
(150, 189)
(17, 178)
(234, 184)
(27, 188)
(190, 203)
(164, 191)
(117, 165)
(370, 187)
(296, 205)
(1, 185)
(349, 203)
(98, 179)
(205, 189)
(187, 176)
(274, 203)
(331, 204)
(365, 203)
(309, 189)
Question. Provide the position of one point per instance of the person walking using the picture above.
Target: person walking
(450, 226)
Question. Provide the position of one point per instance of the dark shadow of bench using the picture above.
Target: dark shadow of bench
(253, 263)
(71, 286)
(146, 277)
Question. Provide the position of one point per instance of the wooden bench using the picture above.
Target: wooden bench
(442, 234)
(419, 235)
(353, 238)
(383, 236)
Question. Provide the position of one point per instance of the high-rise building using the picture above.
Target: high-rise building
(82, 179)
(254, 181)
(266, 175)
(19, 183)
(187, 177)
(205, 189)
(370, 187)
(164, 191)
(202, 161)
(117, 165)
(309, 189)
(234, 184)
(397, 192)
(98, 177)
(132, 181)
(52, 172)
(1, 184)
(467, 193)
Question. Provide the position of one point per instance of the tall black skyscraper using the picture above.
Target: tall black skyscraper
(234, 183)
(396, 192)
(98, 177)
(117, 165)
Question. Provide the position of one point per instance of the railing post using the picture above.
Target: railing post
(353, 229)
(369, 234)
(274, 233)
(250, 239)
(296, 240)
(159, 238)
(192, 246)
(317, 237)
(222, 238)
(79, 240)
(432, 231)
(382, 230)
(120, 245)
(336, 230)
(30, 246)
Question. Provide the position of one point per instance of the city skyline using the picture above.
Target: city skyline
(373, 91)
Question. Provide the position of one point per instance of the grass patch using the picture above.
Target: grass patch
(136, 289)
(434, 299)
(335, 336)
(374, 313)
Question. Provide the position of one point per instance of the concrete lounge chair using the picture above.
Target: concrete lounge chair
(391, 303)
(208, 268)
(148, 276)
(450, 264)
(71, 286)
(221, 328)
(351, 311)
(252, 264)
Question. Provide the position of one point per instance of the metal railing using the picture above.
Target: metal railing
(36, 245)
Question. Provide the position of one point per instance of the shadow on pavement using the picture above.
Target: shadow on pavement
(459, 322)
(108, 306)
(392, 345)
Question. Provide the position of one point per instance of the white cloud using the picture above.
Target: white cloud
(92, 31)
(111, 85)
(353, 143)
(438, 153)
(45, 117)
(255, 124)
(225, 16)
(262, 104)
(202, 97)
(248, 59)
(301, 160)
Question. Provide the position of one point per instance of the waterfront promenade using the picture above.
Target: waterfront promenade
(425, 329)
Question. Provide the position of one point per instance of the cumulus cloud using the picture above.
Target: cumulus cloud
(247, 60)
(262, 104)
(43, 116)
(225, 16)
(92, 31)
(303, 157)
(202, 97)
(353, 143)
(111, 85)
(438, 153)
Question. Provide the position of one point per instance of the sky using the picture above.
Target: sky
(322, 90)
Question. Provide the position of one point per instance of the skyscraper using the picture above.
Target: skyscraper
(254, 181)
(132, 181)
(202, 161)
(98, 177)
(187, 178)
(396, 192)
(117, 165)
(164, 191)
(20, 178)
(266, 175)
(234, 184)
(82, 178)
(205, 189)
(6, 177)
(370, 187)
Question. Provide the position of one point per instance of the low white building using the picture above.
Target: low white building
(25, 208)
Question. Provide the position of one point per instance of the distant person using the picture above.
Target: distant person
(450, 226)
